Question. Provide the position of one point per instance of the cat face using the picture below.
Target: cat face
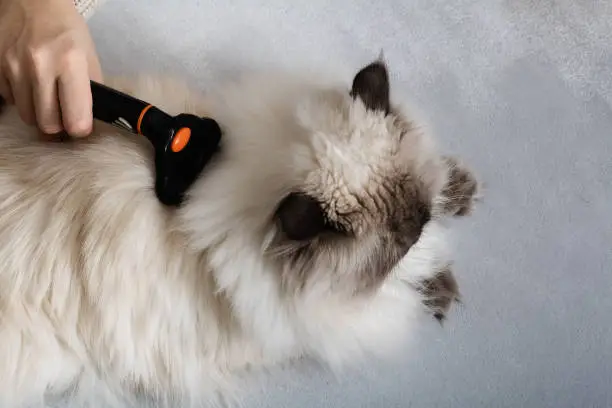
(371, 190)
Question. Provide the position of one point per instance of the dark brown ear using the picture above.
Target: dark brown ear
(371, 85)
(301, 217)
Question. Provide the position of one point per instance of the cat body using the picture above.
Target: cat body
(317, 231)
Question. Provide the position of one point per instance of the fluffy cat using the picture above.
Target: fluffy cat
(315, 232)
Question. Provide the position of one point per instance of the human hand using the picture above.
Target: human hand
(47, 58)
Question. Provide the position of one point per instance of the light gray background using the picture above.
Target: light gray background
(523, 90)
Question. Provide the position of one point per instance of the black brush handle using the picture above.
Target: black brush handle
(130, 113)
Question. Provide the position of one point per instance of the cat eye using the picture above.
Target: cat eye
(301, 217)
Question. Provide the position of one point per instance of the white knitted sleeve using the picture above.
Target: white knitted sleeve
(87, 7)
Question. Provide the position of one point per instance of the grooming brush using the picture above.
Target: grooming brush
(183, 144)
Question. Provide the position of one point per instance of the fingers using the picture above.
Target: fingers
(54, 95)
(22, 91)
(46, 59)
(46, 106)
(50, 86)
(20, 87)
(74, 93)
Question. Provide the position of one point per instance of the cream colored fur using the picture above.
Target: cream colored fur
(104, 292)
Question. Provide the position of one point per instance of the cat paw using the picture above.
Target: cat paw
(461, 190)
(439, 292)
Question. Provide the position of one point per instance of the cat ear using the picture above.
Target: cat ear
(371, 85)
(301, 217)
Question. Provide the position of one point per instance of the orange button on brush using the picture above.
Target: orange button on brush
(180, 139)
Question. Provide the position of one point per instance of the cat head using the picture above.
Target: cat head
(373, 186)
(323, 184)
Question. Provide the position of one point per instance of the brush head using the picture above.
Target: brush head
(182, 153)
